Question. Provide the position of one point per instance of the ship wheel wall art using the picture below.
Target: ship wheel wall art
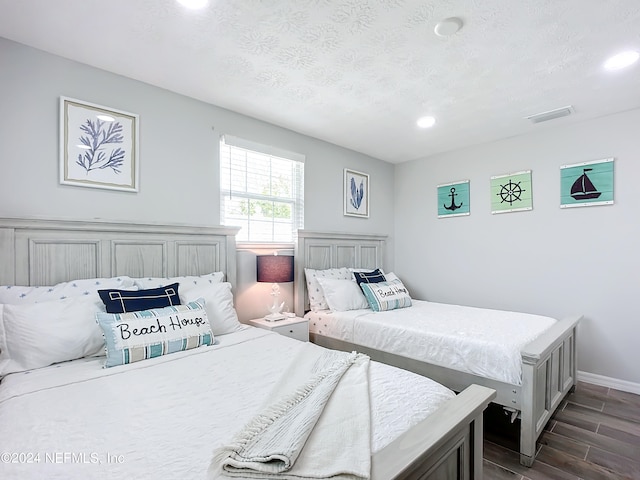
(586, 184)
(511, 192)
(453, 199)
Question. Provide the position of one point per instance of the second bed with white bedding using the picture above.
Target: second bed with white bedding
(481, 341)
(545, 369)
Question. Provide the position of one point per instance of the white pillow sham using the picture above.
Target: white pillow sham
(317, 301)
(36, 335)
(342, 295)
(15, 294)
(186, 282)
(218, 298)
(361, 270)
(391, 277)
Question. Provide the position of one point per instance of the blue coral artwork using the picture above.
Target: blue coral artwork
(356, 193)
(98, 146)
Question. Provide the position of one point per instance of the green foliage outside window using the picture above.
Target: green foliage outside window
(280, 187)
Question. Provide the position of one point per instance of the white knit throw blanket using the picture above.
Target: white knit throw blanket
(316, 425)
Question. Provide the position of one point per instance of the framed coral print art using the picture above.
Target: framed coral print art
(98, 146)
(356, 193)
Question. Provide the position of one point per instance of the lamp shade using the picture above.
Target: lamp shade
(274, 268)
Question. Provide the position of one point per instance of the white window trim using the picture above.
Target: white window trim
(275, 246)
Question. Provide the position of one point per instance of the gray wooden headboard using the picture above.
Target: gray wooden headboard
(46, 252)
(322, 250)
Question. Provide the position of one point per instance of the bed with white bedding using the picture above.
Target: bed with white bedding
(77, 420)
(62, 415)
(529, 360)
(474, 340)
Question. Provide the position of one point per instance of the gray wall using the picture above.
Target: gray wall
(179, 157)
(549, 261)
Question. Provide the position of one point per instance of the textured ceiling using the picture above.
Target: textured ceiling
(358, 73)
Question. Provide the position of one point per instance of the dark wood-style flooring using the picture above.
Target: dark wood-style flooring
(594, 435)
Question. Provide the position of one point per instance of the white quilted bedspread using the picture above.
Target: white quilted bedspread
(481, 341)
(163, 418)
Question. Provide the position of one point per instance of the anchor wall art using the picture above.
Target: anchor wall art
(511, 192)
(586, 184)
(356, 193)
(453, 199)
(98, 146)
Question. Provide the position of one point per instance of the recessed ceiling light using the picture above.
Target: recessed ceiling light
(622, 60)
(194, 4)
(448, 27)
(426, 122)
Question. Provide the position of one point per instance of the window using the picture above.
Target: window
(261, 190)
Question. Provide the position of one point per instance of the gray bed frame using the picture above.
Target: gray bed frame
(447, 445)
(548, 362)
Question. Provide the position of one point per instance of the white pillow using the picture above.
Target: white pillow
(391, 277)
(218, 304)
(35, 335)
(314, 290)
(14, 294)
(351, 269)
(342, 295)
(185, 282)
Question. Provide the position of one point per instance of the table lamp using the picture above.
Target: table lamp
(274, 269)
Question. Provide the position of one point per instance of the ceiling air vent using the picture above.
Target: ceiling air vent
(551, 114)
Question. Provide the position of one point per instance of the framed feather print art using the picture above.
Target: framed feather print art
(356, 193)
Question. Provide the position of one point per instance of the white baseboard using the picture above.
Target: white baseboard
(614, 383)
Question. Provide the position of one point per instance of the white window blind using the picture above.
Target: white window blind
(261, 190)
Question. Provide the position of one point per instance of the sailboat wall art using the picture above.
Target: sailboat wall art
(453, 199)
(586, 184)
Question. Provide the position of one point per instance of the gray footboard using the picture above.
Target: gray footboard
(447, 445)
(548, 374)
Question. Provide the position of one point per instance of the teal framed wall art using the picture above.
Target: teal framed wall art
(511, 192)
(453, 199)
(586, 184)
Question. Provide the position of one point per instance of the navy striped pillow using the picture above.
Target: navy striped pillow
(123, 301)
(375, 276)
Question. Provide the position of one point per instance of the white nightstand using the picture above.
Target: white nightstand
(293, 327)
